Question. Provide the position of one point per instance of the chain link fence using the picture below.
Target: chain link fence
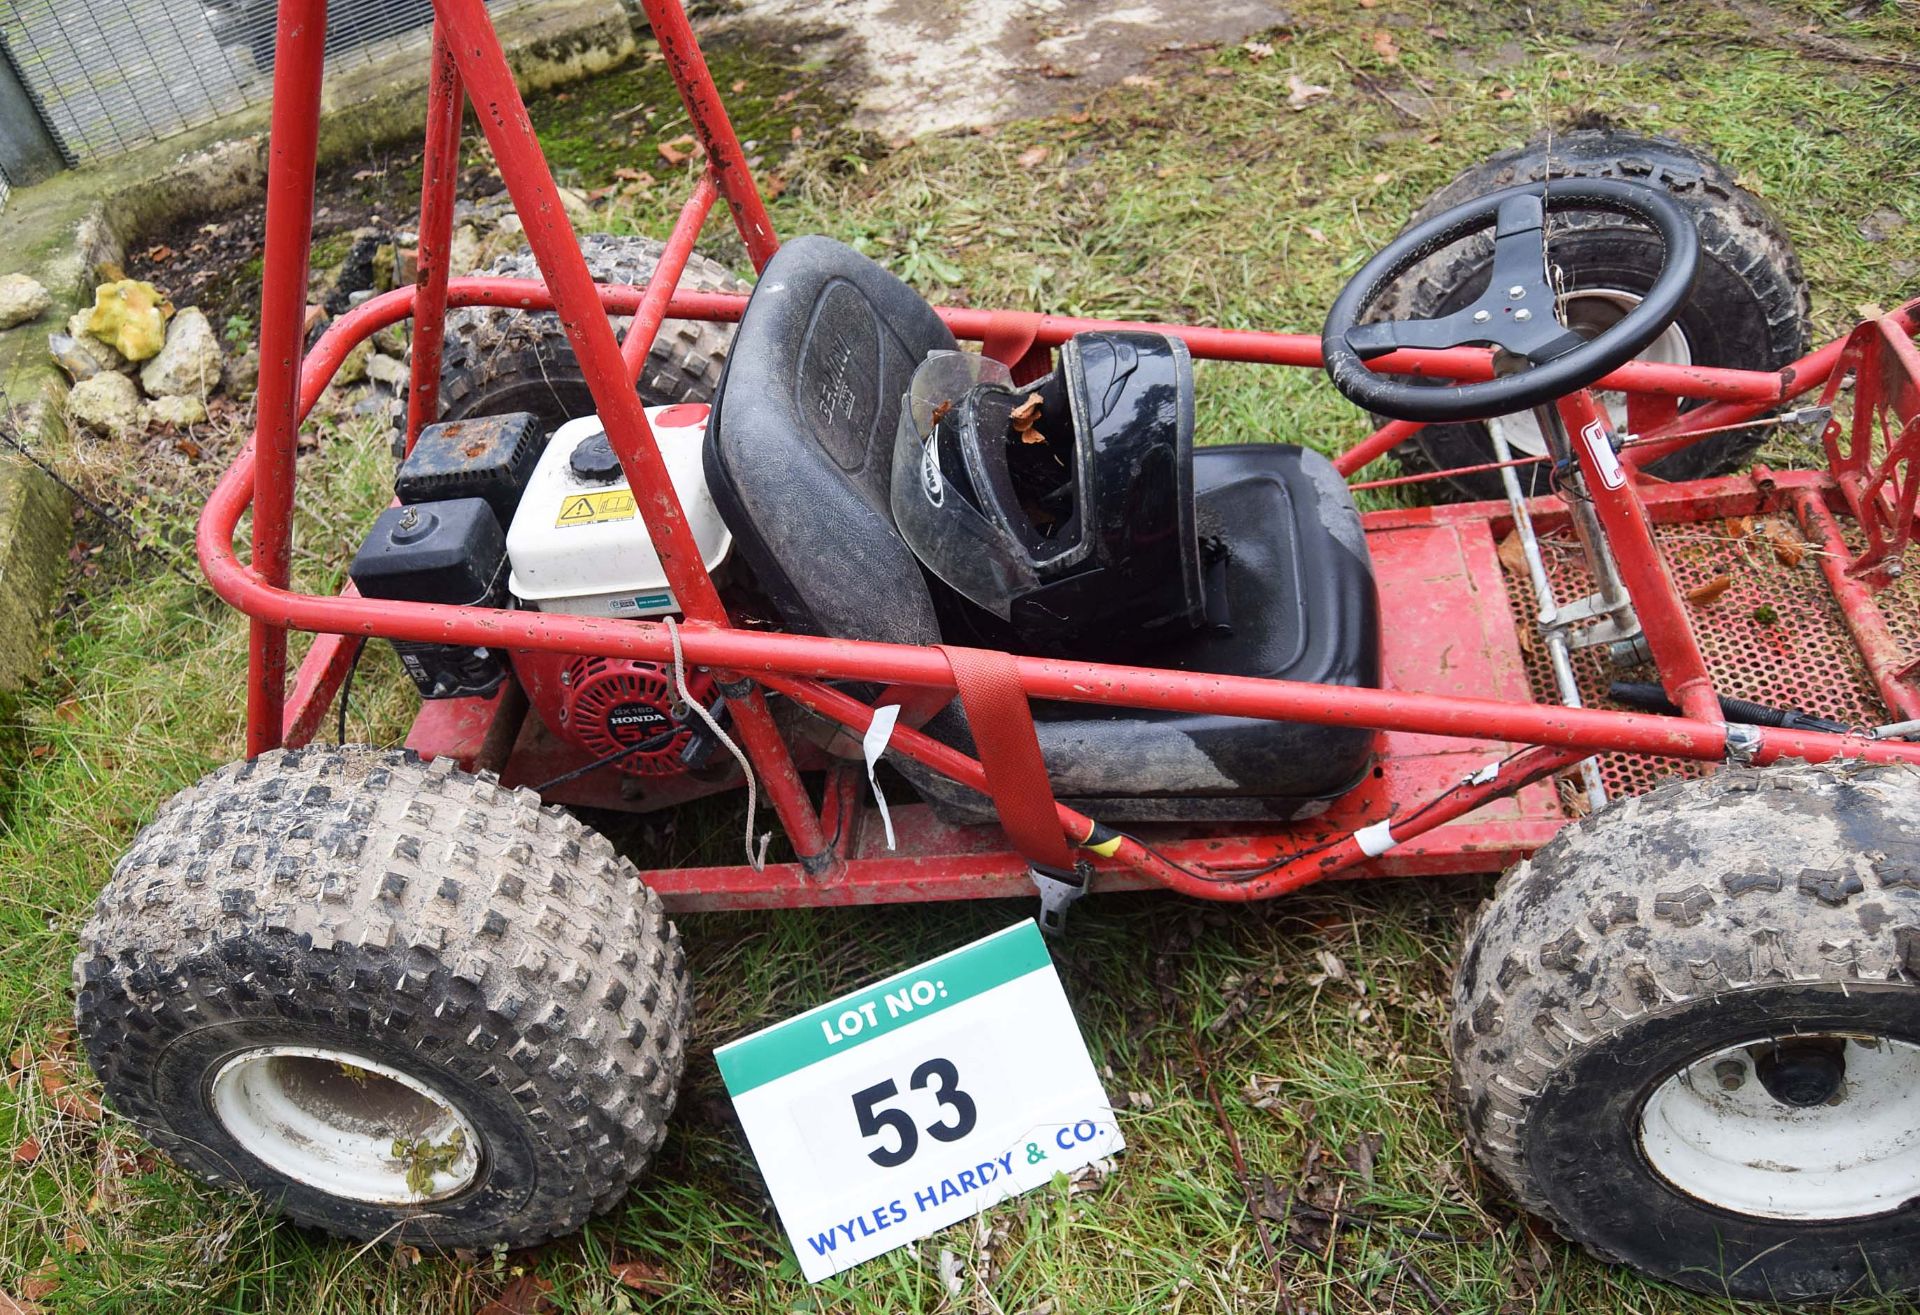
(110, 75)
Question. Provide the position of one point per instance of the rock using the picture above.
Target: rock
(130, 316)
(68, 354)
(21, 299)
(575, 203)
(512, 224)
(388, 371)
(240, 377)
(1882, 224)
(176, 411)
(104, 355)
(463, 254)
(189, 364)
(392, 340)
(353, 368)
(108, 403)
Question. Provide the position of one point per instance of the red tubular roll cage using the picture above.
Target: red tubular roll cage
(468, 66)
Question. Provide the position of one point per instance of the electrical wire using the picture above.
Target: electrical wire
(346, 693)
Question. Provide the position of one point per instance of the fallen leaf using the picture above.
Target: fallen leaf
(1024, 417)
(1703, 594)
(1315, 234)
(76, 1241)
(1503, 93)
(1513, 553)
(640, 1275)
(1033, 157)
(27, 1151)
(739, 85)
(79, 1105)
(1384, 46)
(187, 448)
(1257, 50)
(41, 1282)
(772, 186)
(160, 255)
(11, 1305)
(679, 150)
(627, 175)
(1139, 80)
(1740, 527)
(1787, 550)
(1301, 93)
(526, 1294)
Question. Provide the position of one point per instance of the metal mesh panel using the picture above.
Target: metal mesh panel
(115, 74)
(1775, 636)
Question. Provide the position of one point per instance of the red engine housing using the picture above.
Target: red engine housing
(606, 704)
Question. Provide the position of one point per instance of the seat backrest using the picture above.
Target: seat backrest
(799, 452)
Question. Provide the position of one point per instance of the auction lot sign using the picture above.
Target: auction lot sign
(918, 1101)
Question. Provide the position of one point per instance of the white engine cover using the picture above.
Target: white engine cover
(578, 545)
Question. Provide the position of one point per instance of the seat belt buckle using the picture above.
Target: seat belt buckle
(1059, 890)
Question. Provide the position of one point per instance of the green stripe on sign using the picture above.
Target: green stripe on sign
(860, 1016)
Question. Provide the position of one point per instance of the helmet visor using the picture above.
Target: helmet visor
(935, 512)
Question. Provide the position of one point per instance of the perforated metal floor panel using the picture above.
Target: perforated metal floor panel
(1774, 636)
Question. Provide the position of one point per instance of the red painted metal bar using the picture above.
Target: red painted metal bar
(576, 301)
(1242, 345)
(757, 652)
(1273, 874)
(1656, 599)
(1887, 661)
(314, 685)
(439, 172)
(725, 160)
(1376, 445)
(645, 325)
(292, 146)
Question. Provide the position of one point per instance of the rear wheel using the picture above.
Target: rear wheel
(392, 999)
(498, 359)
(1687, 1032)
(1749, 308)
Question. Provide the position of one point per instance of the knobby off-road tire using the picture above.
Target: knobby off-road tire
(1749, 308)
(422, 930)
(1686, 931)
(498, 359)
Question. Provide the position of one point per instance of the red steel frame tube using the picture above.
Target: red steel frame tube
(439, 172)
(468, 56)
(645, 326)
(292, 149)
(1656, 599)
(725, 160)
(1886, 660)
(576, 300)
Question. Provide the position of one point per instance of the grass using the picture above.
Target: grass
(1317, 1022)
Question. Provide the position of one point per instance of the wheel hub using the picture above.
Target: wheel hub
(1806, 1128)
(1589, 312)
(346, 1125)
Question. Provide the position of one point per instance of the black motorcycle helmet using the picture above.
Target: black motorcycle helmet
(1064, 508)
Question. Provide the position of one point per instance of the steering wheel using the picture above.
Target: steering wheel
(1516, 315)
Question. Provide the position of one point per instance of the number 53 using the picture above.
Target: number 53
(946, 1087)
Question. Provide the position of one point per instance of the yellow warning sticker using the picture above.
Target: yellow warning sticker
(593, 508)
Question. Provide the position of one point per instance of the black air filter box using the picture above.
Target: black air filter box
(439, 552)
(487, 457)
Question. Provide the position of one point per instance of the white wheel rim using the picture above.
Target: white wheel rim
(346, 1125)
(1715, 1132)
(1592, 311)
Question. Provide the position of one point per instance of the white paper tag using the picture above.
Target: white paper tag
(899, 1109)
(879, 732)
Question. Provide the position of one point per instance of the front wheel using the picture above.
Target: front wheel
(1687, 1033)
(390, 998)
